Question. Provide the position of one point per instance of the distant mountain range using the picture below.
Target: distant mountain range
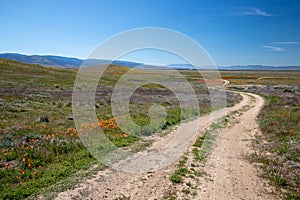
(237, 67)
(66, 62)
(260, 67)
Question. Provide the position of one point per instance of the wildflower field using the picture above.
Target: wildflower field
(41, 151)
(39, 144)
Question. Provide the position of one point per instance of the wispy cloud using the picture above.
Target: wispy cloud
(273, 48)
(255, 12)
(293, 42)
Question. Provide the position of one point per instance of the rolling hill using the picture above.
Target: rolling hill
(64, 62)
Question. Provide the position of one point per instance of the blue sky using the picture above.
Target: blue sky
(232, 32)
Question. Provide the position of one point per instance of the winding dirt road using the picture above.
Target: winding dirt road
(228, 173)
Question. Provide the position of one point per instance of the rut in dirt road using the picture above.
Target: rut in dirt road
(228, 175)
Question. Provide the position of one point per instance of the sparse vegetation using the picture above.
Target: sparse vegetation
(190, 167)
(204, 143)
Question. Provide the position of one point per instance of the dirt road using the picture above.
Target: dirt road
(228, 174)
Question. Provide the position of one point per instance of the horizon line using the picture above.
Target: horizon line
(155, 64)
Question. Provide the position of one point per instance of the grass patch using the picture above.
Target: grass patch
(201, 148)
(177, 176)
(204, 143)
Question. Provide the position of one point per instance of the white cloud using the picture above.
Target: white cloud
(273, 48)
(293, 42)
(256, 12)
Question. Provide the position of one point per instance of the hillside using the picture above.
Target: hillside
(64, 62)
(15, 74)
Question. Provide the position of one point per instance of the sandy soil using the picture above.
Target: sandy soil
(228, 173)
